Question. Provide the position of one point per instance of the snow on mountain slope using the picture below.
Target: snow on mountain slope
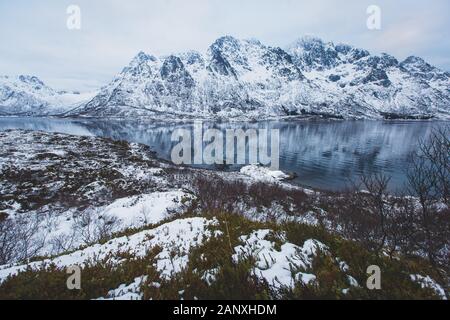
(234, 77)
(28, 95)
(368, 85)
(246, 79)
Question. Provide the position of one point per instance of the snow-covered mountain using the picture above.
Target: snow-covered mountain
(28, 95)
(372, 85)
(233, 78)
(247, 79)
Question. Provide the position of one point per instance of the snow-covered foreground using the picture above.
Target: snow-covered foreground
(175, 239)
(92, 202)
(282, 267)
(427, 282)
(130, 212)
(290, 263)
(130, 291)
(70, 191)
(279, 267)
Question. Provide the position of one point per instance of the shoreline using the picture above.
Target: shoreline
(60, 186)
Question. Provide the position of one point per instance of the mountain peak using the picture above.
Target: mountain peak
(418, 67)
(192, 57)
(413, 60)
(310, 42)
(312, 52)
(226, 38)
(143, 57)
(139, 66)
(245, 78)
(254, 41)
(31, 80)
(171, 64)
(226, 43)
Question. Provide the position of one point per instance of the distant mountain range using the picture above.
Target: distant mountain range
(245, 79)
(29, 96)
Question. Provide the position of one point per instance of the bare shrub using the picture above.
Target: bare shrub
(62, 242)
(144, 213)
(401, 226)
(436, 150)
(91, 226)
(7, 241)
(20, 239)
(429, 180)
(105, 226)
(377, 185)
(350, 216)
(219, 195)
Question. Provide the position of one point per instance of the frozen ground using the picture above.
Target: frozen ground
(73, 200)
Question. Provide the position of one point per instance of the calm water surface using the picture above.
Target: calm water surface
(324, 154)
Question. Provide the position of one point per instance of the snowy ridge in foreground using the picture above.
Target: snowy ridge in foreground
(174, 238)
(277, 266)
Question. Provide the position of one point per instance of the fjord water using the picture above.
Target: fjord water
(323, 154)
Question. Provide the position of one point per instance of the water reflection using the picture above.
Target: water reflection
(324, 154)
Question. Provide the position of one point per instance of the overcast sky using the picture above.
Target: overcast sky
(35, 39)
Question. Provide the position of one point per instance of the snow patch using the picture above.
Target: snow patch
(280, 268)
(427, 282)
(263, 174)
(175, 239)
(131, 291)
(145, 209)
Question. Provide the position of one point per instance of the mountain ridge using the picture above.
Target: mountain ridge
(29, 96)
(245, 79)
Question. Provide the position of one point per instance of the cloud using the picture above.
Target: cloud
(414, 30)
(35, 39)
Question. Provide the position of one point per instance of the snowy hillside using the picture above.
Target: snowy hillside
(28, 95)
(141, 228)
